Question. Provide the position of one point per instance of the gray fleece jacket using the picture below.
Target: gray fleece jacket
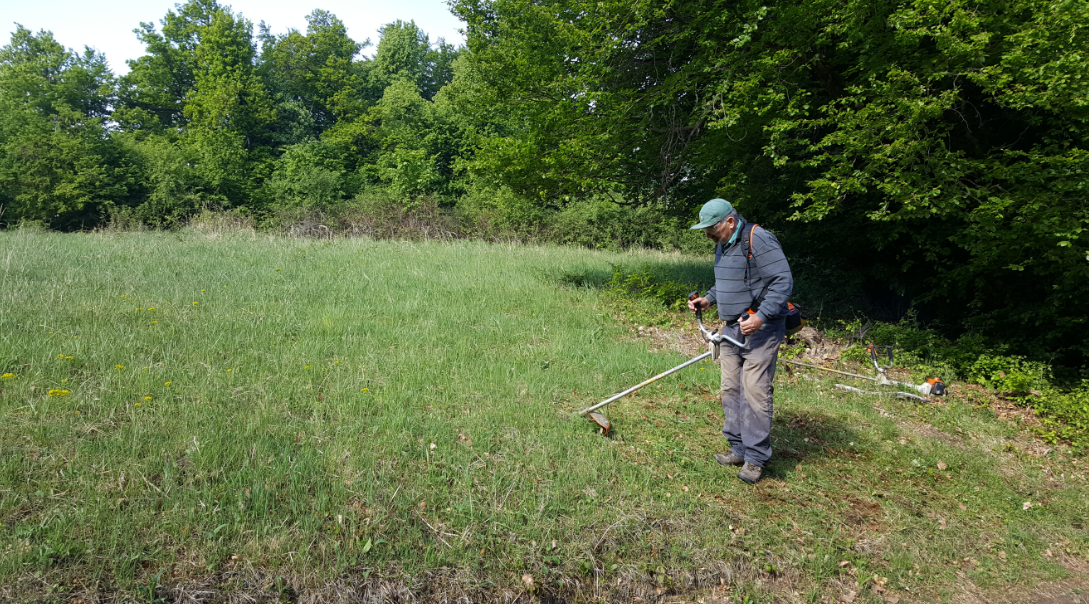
(739, 283)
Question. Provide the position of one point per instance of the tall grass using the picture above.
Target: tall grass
(199, 405)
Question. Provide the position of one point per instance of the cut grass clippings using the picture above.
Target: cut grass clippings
(305, 420)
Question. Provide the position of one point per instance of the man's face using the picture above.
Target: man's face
(721, 231)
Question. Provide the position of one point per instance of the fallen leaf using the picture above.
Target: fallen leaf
(893, 599)
(1002, 556)
(844, 563)
(1026, 505)
(962, 507)
(849, 596)
(1047, 552)
(799, 468)
(942, 465)
(527, 580)
(941, 523)
(423, 505)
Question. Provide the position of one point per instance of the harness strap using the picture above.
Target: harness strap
(757, 300)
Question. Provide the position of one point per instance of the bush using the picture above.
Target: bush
(643, 283)
(1065, 415)
(172, 188)
(604, 224)
(376, 213)
(1008, 373)
(310, 176)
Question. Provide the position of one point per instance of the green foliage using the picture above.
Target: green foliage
(644, 283)
(1064, 414)
(170, 185)
(311, 176)
(939, 151)
(405, 53)
(1008, 373)
(314, 74)
(56, 162)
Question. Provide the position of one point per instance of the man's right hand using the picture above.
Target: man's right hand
(699, 304)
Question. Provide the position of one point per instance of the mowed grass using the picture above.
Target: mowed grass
(250, 413)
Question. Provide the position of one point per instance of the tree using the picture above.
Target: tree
(936, 148)
(57, 164)
(152, 95)
(405, 53)
(313, 76)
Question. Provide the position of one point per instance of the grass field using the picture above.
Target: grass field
(247, 416)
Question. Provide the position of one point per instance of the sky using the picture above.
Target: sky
(107, 25)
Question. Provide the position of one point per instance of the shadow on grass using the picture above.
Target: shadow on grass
(799, 435)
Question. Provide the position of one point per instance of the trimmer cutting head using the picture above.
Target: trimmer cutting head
(600, 420)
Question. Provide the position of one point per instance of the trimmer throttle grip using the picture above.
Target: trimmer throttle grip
(692, 296)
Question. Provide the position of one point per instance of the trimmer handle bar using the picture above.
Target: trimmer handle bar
(714, 336)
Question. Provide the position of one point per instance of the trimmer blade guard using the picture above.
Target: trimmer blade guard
(600, 420)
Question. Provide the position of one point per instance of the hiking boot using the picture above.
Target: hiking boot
(728, 459)
(750, 473)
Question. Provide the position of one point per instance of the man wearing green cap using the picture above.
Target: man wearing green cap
(752, 284)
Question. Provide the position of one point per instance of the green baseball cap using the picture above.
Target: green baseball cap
(712, 213)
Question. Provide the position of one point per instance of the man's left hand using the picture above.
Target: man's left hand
(748, 326)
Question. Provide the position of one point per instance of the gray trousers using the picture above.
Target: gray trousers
(747, 375)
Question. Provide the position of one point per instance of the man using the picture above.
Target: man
(752, 284)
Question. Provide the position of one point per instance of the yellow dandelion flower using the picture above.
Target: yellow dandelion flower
(139, 309)
(279, 268)
(365, 390)
(307, 367)
(154, 322)
(137, 404)
(7, 376)
(166, 384)
(68, 358)
(118, 366)
(147, 398)
(228, 371)
(77, 411)
(59, 393)
(196, 303)
(64, 380)
(152, 308)
(336, 362)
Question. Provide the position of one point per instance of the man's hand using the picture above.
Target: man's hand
(698, 304)
(748, 326)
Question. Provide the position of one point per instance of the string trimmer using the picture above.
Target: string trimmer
(933, 385)
(713, 338)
